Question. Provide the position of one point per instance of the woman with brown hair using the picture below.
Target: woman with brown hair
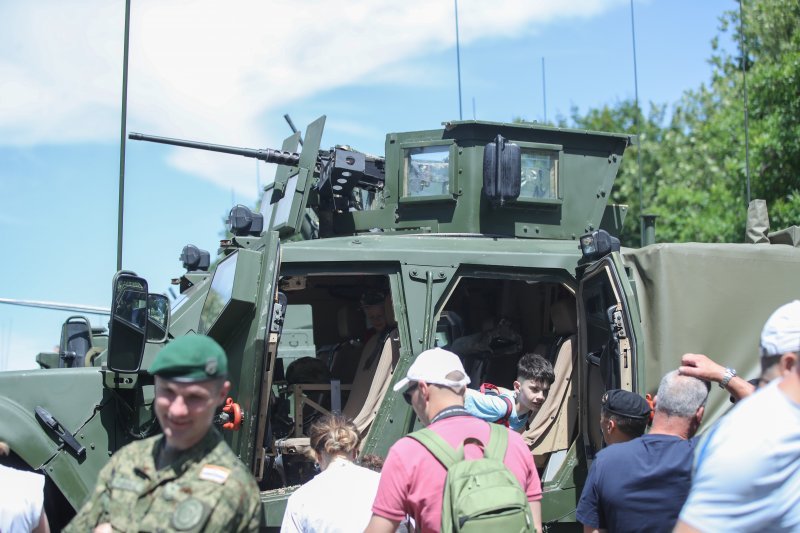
(340, 497)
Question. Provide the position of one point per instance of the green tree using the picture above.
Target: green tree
(694, 165)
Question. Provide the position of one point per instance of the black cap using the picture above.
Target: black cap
(625, 403)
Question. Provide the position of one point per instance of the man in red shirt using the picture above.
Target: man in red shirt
(412, 479)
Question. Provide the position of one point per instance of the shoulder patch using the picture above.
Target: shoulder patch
(189, 514)
(217, 474)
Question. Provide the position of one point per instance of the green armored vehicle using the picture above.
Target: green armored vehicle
(490, 239)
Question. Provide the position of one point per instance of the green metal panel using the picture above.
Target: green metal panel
(77, 399)
(282, 173)
(298, 197)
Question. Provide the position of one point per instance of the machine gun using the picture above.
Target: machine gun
(339, 170)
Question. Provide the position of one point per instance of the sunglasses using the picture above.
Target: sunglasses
(409, 391)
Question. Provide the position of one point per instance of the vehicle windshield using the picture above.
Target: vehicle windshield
(220, 292)
(283, 208)
(266, 208)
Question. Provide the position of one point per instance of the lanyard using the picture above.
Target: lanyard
(448, 412)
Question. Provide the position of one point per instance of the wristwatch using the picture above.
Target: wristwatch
(726, 377)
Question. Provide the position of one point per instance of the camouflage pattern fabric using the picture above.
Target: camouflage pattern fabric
(205, 488)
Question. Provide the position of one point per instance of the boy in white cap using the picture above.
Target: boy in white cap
(747, 471)
(412, 480)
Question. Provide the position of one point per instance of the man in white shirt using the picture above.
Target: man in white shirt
(21, 500)
(747, 470)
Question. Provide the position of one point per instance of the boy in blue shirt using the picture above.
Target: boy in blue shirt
(514, 408)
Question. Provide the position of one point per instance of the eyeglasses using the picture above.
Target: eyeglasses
(409, 391)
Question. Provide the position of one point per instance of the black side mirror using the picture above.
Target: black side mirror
(502, 171)
(76, 341)
(157, 317)
(128, 327)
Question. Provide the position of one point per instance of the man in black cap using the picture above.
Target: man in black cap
(188, 478)
(641, 485)
(624, 416)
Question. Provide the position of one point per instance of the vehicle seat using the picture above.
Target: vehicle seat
(372, 378)
(344, 360)
(492, 354)
(554, 426)
(563, 315)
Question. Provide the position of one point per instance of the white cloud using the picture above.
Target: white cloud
(207, 70)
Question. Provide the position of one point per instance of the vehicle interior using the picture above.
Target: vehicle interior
(345, 365)
(491, 322)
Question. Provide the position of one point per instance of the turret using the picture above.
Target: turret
(471, 177)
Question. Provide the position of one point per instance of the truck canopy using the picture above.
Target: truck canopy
(708, 298)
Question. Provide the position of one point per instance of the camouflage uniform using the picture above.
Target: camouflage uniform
(205, 488)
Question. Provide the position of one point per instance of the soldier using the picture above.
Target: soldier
(187, 478)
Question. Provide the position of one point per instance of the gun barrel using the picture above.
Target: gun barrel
(267, 155)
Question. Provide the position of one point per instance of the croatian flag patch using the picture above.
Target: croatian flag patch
(217, 474)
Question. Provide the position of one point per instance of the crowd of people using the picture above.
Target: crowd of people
(469, 466)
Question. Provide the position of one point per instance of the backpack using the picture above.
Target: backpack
(494, 390)
(482, 494)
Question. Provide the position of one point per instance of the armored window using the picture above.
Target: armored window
(220, 293)
(283, 209)
(426, 171)
(267, 208)
(539, 174)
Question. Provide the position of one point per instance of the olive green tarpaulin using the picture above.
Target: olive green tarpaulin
(711, 299)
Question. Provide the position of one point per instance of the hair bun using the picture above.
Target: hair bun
(334, 435)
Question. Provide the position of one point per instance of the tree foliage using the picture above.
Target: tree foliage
(693, 158)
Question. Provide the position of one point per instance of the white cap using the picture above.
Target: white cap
(432, 366)
(781, 333)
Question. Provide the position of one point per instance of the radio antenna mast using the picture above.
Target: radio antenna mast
(458, 64)
(744, 83)
(638, 125)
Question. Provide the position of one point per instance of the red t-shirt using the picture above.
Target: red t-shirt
(412, 479)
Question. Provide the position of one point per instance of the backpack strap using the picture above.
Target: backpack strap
(438, 447)
(494, 390)
(498, 442)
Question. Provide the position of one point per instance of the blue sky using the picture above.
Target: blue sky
(226, 73)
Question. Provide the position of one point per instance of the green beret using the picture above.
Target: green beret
(191, 358)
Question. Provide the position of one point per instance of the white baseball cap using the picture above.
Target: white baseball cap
(781, 333)
(432, 366)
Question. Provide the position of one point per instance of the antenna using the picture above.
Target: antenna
(458, 65)
(544, 92)
(638, 125)
(122, 134)
(473, 109)
(744, 83)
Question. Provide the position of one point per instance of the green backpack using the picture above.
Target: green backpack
(479, 495)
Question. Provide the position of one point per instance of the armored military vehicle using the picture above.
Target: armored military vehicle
(490, 239)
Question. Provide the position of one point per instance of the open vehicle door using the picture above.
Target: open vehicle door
(241, 313)
(608, 332)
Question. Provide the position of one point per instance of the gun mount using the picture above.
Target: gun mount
(338, 171)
